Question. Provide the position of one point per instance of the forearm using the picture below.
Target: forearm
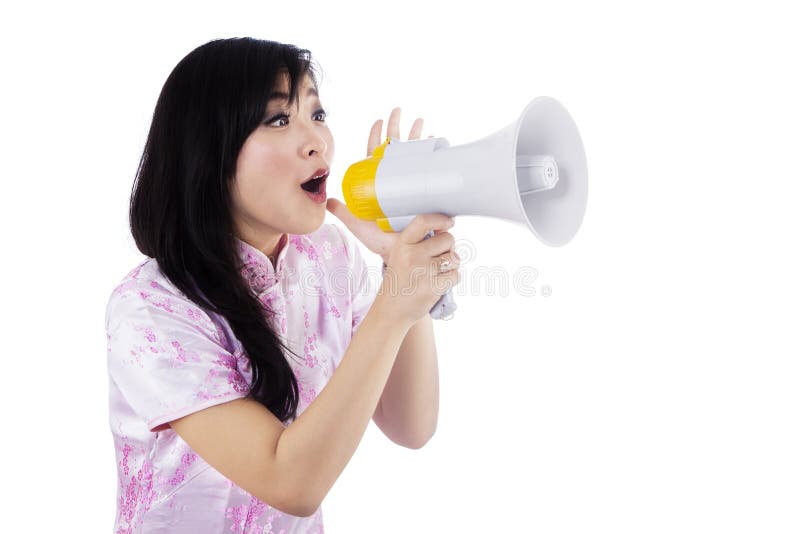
(409, 405)
(317, 446)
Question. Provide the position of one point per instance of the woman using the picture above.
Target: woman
(221, 342)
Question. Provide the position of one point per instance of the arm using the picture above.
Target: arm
(293, 469)
(409, 406)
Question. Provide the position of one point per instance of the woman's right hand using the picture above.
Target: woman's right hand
(413, 282)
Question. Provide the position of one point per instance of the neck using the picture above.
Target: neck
(270, 248)
(272, 253)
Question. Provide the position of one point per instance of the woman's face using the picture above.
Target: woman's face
(288, 148)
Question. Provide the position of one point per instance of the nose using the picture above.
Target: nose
(314, 143)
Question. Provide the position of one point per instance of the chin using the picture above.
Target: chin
(312, 224)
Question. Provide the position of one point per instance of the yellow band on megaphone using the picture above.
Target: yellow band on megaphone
(358, 186)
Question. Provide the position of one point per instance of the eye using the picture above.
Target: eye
(278, 117)
(321, 113)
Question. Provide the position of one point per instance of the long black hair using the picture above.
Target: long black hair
(180, 209)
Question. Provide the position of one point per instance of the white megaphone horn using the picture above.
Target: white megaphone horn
(532, 172)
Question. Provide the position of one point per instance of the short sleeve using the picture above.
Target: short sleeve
(166, 357)
(363, 287)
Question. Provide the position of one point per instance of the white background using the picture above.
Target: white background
(656, 389)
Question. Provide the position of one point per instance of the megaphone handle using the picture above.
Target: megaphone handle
(446, 305)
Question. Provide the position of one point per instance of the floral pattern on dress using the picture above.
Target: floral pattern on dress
(168, 358)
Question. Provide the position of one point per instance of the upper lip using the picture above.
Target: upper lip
(322, 171)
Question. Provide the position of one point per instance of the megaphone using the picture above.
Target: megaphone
(532, 172)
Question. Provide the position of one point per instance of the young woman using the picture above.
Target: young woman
(248, 352)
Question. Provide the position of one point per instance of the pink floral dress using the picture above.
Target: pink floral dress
(168, 358)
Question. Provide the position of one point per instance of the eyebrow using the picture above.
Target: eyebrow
(278, 95)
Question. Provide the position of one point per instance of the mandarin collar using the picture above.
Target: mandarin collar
(257, 270)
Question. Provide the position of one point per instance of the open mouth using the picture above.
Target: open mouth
(313, 185)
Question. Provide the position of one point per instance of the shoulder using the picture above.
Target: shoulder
(146, 291)
(143, 282)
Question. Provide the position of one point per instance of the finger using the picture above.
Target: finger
(343, 213)
(439, 244)
(445, 281)
(439, 231)
(416, 129)
(444, 263)
(374, 137)
(420, 225)
(455, 261)
(393, 130)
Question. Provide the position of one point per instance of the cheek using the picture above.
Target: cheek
(263, 175)
(258, 158)
(261, 168)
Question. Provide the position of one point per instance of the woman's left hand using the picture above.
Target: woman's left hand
(367, 232)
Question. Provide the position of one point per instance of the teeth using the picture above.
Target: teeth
(315, 178)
